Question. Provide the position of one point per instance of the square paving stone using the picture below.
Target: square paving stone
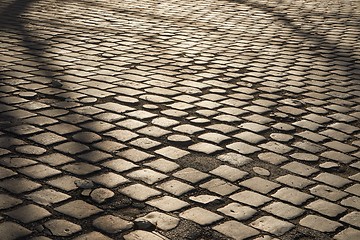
(12, 231)
(62, 228)
(206, 148)
(47, 197)
(172, 152)
(140, 234)
(47, 138)
(328, 192)
(7, 201)
(4, 173)
(19, 185)
(92, 235)
(109, 146)
(109, 180)
(219, 186)
(55, 159)
(39, 171)
(272, 225)
(112, 224)
(200, 216)
(78, 209)
(167, 203)
(66, 183)
(229, 173)
(250, 198)
(243, 148)
(95, 156)
(352, 218)
(147, 175)
(260, 185)
(348, 234)
(135, 155)
(29, 213)
(72, 148)
(119, 165)
(283, 210)
(163, 165)
(320, 223)
(291, 195)
(238, 211)
(191, 175)
(139, 192)
(80, 168)
(236, 230)
(122, 135)
(326, 208)
(175, 187)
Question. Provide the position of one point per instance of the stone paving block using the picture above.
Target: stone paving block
(283, 210)
(162, 221)
(4, 173)
(55, 159)
(80, 168)
(243, 148)
(295, 181)
(112, 224)
(39, 171)
(29, 213)
(19, 185)
(163, 165)
(328, 192)
(353, 202)
(259, 185)
(135, 155)
(291, 195)
(238, 211)
(167, 203)
(206, 148)
(139, 192)
(78, 209)
(172, 152)
(332, 180)
(62, 228)
(348, 234)
(147, 175)
(140, 234)
(272, 225)
(219, 186)
(272, 158)
(92, 235)
(250, 198)
(319, 223)
(7, 201)
(65, 182)
(200, 216)
(299, 168)
(72, 148)
(229, 173)
(236, 230)
(12, 231)
(175, 187)
(191, 175)
(109, 146)
(47, 197)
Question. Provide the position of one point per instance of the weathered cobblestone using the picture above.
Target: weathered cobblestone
(235, 119)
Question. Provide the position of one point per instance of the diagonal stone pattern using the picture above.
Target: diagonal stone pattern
(182, 119)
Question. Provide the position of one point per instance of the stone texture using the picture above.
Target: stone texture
(236, 230)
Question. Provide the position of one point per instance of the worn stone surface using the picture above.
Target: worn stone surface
(239, 119)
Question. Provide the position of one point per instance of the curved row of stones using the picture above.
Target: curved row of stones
(154, 120)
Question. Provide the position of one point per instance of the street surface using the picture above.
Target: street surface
(180, 119)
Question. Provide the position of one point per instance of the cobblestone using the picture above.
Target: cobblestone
(232, 119)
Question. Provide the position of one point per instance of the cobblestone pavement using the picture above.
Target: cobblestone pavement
(179, 119)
